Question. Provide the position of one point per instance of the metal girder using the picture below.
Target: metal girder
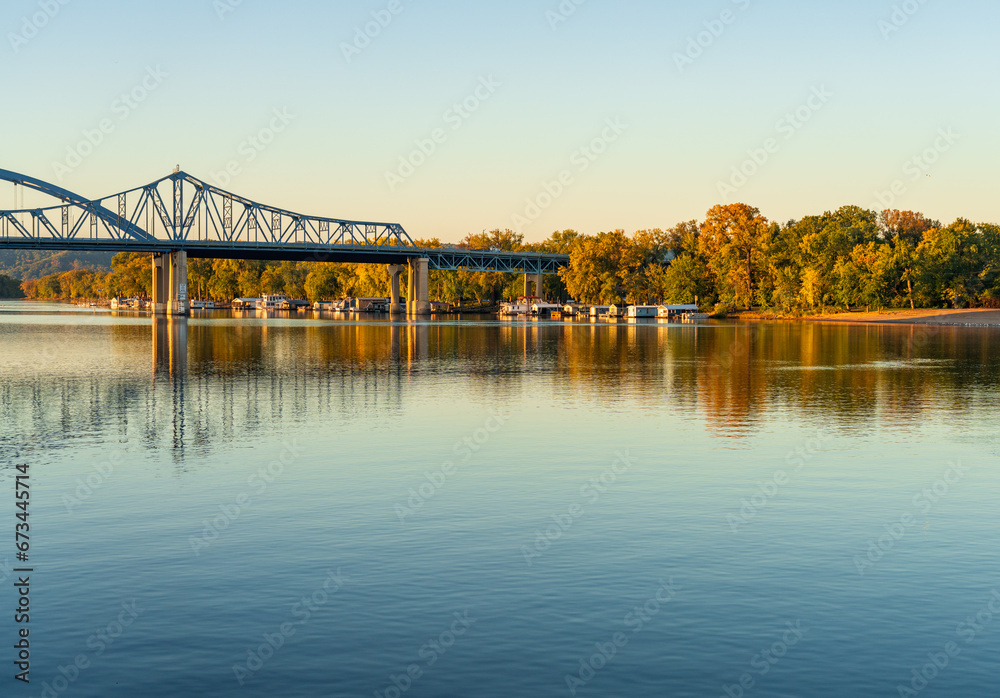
(450, 259)
(181, 212)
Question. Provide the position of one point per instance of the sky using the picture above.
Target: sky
(455, 117)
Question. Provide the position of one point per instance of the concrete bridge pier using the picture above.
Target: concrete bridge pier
(539, 285)
(170, 296)
(160, 278)
(395, 307)
(418, 297)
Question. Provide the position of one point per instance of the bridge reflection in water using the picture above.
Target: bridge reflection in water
(407, 344)
(222, 381)
(170, 346)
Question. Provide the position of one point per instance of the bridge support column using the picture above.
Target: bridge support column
(395, 307)
(160, 277)
(419, 296)
(177, 303)
(539, 282)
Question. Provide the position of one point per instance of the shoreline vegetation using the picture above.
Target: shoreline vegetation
(732, 262)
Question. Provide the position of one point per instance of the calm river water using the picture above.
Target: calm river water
(311, 507)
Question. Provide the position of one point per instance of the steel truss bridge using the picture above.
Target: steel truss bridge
(181, 213)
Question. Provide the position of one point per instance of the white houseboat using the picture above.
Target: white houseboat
(272, 301)
(671, 312)
(640, 311)
(127, 304)
(522, 306)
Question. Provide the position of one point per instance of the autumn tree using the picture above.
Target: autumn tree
(734, 240)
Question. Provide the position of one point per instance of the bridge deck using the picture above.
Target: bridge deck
(446, 259)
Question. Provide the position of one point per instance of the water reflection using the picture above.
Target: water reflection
(215, 379)
(170, 346)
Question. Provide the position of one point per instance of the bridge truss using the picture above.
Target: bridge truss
(183, 213)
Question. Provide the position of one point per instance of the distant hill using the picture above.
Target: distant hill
(33, 264)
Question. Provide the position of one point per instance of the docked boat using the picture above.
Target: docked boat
(127, 304)
(522, 306)
(367, 305)
(675, 312)
(544, 309)
(273, 301)
(641, 311)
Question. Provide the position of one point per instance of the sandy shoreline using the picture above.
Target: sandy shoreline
(978, 318)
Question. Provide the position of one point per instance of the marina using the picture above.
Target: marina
(524, 307)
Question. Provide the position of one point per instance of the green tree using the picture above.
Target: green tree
(322, 283)
(10, 288)
(685, 280)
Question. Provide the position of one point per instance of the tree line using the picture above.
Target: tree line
(734, 258)
(848, 258)
(10, 288)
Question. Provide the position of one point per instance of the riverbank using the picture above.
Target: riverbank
(977, 317)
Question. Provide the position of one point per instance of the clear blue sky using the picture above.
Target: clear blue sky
(554, 86)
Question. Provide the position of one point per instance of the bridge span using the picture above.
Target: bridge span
(180, 216)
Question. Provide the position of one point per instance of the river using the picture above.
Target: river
(308, 506)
